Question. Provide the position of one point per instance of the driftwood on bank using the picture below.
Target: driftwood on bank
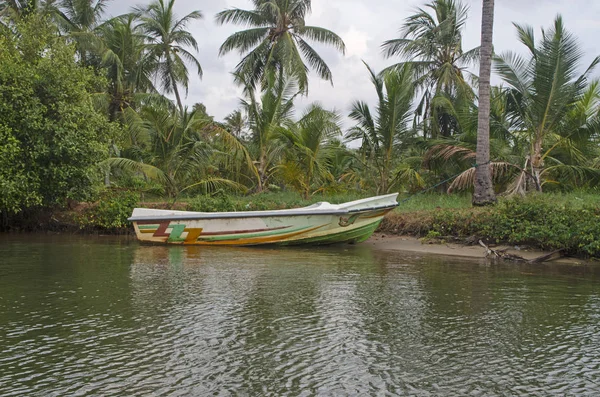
(502, 254)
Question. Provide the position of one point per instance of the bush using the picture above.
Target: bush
(110, 213)
(211, 203)
(54, 135)
(537, 221)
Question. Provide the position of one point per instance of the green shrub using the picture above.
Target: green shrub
(110, 212)
(539, 220)
(211, 203)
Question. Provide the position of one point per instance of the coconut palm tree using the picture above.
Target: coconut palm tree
(277, 41)
(168, 148)
(458, 153)
(236, 122)
(484, 188)
(547, 89)
(81, 20)
(386, 132)
(570, 154)
(311, 149)
(268, 114)
(168, 42)
(431, 41)
(128, 65)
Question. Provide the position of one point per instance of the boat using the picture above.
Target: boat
(320, 223)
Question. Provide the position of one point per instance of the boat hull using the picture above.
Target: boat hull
(317, 225)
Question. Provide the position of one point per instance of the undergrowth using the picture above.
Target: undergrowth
(543, 221)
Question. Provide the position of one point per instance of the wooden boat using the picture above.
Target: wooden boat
(320, 223)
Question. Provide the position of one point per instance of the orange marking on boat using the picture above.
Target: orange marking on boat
(192, 235)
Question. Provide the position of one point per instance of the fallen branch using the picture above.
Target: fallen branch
(548, 257)
(502, 254)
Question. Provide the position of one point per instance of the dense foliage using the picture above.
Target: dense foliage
(109, 213)
(52, 137)
(83, 106)
(536, 221)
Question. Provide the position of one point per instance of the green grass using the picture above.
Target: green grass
(426, 202)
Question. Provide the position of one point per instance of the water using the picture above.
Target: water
(104, 316)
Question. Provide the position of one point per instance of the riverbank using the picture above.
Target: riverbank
(544, 222)
(383, 242)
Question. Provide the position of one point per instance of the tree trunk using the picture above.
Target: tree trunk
(262, 171)
(537, 164)
(176, 91)
(174, 82)
(484, 188)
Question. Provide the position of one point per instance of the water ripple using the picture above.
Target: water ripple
(179, 322)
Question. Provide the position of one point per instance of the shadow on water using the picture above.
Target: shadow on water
(98, 316)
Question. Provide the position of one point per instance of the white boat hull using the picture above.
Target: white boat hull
(321, 223)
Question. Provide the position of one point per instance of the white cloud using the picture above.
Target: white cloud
(356, 42)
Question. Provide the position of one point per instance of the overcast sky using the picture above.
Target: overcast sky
(363, 25)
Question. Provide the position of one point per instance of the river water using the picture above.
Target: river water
(106, 316)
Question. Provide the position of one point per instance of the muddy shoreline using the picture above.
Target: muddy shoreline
(385, 242)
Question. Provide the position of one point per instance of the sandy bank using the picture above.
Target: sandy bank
(412, 244)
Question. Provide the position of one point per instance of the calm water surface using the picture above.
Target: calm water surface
(103, 316)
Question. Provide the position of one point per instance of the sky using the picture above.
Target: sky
(363, 25)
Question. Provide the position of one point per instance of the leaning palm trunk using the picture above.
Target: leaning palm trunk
(174, 83)
(177, 97)
(484, 188)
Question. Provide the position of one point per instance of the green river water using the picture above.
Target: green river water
(107, 317)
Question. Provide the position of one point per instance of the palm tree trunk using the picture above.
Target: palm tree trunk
(174, 82)
(176, 91)
(262, 171)
(385, 176)
(537, 164)
(484, 188)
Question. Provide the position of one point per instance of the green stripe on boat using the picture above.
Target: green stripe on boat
(357, 235)
(147, 227)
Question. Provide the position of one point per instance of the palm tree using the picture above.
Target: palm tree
(167, 147)
(385, 133)
(236, 122)
(277, 41)
(484, 188)
(546, 89)
(570, 154)
(168, 39)
(458, 153)
(432, 44)
(81, 20)
(267, 117)
(129, 67)
(311, 148)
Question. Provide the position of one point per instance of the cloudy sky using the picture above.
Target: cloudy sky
(363, 25)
